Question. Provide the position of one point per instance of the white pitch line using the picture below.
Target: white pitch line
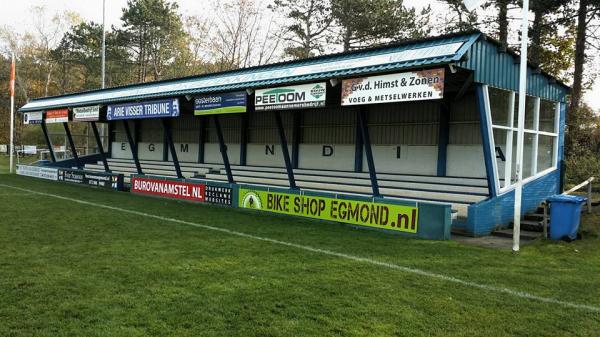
(442, 277)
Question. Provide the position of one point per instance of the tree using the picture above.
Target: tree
(152, 29)
(79, 58)
(458, 18)
(307, 27)
(241, 36)
(366, 23)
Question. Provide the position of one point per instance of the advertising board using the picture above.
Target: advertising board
(182, 190)
(231, 102)
(291, 97)
(57, 116)
(33, 117)
(363, 213)
(99, 179)
(86, 114)
(49, 173)
(401, 87)
(149, 109)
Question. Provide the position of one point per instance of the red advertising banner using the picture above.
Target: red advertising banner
(169, 189)
(57, 116)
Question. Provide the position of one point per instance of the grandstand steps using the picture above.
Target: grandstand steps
(458, 191)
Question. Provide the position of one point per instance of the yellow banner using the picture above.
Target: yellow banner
(363, 213)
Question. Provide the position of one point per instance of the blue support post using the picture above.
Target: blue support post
(133, 147)
(72, 145)
(485, 137)
(358, 145)
(201, 137)
(296, 138)
(364, 128)
(223, 148)
(100, 147)
(244, 139)
(111, 137)
(443, 139)
(169, 139)
(48, 142)
(284, 150)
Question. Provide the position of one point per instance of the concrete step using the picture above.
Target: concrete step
(525, 234)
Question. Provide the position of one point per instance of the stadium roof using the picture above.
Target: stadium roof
(427, 52)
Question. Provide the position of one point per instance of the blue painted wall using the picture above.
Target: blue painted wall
(490, 214)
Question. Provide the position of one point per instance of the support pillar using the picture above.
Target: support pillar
(362, 120)
(48, 142)
(72, 145)
(100, 147)
(132, 147)
(284, 150)
(169, 140)
(223, 149)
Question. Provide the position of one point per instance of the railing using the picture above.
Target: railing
(587, 183)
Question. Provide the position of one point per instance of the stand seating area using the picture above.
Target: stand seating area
(460, 192)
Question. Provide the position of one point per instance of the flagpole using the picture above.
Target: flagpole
(521, 127)
(12, 112)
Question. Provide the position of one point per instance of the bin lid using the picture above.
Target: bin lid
(567, 198)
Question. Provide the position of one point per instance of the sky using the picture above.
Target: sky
(15, 14)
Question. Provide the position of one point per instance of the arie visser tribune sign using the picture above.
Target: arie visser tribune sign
(409, 86)
(364, 213)
(293, 97)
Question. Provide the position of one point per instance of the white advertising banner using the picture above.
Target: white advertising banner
(292, 97)
(49, 173)
(33, 117)
(86, 114)
(401, 87)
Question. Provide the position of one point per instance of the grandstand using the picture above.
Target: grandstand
(424, 123)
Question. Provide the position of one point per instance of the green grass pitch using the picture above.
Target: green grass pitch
(71, 269)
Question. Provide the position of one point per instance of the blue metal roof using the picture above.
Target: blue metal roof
(470, 50)
(418, 53)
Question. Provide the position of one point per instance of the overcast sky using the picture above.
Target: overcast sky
(15, 15)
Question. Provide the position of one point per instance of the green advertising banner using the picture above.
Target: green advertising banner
(363, 213)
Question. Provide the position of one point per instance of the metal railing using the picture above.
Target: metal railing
(587, 183)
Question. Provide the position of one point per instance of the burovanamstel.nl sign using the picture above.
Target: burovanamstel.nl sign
(355, 212)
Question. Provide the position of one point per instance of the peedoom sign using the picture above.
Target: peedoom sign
(150, 109)
(86, 114)
(291, 97)
(231, 102)
(409, 86)
(57, 116)
(363, 213)
(33, 117)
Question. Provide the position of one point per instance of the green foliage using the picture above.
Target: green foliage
(307, 27)
(153, 30)
(367, 23)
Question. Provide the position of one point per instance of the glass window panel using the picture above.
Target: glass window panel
(500, 142)
(529, 112)
(545, 152)
(547, 115)
(527, 154)
(499, 104)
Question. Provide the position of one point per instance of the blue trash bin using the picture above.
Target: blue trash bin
(565, 213)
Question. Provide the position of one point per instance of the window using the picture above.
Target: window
(540, 137)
